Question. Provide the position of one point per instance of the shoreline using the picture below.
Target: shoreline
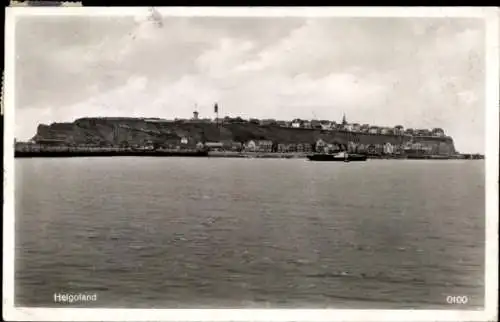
(212, 154)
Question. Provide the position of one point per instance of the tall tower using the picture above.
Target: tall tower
(344, 121)
(195, 115)
(216, 111)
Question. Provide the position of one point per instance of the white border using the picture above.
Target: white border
(490, 16)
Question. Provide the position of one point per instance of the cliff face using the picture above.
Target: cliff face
(133, 131)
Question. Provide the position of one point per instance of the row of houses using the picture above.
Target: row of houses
(365, 128)
(320, 146)
(325, 125)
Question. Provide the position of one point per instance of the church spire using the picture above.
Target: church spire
(344, 121)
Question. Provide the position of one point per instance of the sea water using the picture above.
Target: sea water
(249, 233)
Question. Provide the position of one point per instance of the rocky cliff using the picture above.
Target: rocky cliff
(135, 131)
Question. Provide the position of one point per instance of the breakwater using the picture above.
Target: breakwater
(37, 151)
(103, 152)
(270, 155)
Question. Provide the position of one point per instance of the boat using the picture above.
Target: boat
(341, 156)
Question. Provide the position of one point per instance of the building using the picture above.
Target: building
(259, 145)
(409, 131)
(356, 127)
(195, 116)
(385, 130)
(344, 120)
(296, 124)
(184, 140)
(282, 147)
(364, 128)
(361, 148)
(264, 145)
(315, 124)
(399, 130)
(351, 147)
(306, 125)
(347, 127)
(437, 132)
(320, 145)
(388, 148)
(251, 146)
(371, 149)
(373, 130)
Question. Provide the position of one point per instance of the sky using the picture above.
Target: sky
(417, 72)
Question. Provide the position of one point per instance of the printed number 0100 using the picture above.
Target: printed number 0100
(457, 299)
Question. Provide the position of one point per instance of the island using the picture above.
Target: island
(234, 137)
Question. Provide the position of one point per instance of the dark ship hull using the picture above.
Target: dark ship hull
(333, 157)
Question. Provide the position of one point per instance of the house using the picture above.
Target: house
(388, 148)
(426, 148)
(422, 132)
(399, 130)
(409, 131)
(296, 123)
(214, 146)
(361, 148)
(356, 127)
(264, 145)
(371, 149)
(427, 132)
(385, 130)
(437, 132)
(306, 125)
(320, 145)
(184, 140)
(347, 127)
(282, 147)
(251, 145)
(351, 146)
(315, 124)
(373, 130)
(416, 146)
(326, 127)
(364, 128)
